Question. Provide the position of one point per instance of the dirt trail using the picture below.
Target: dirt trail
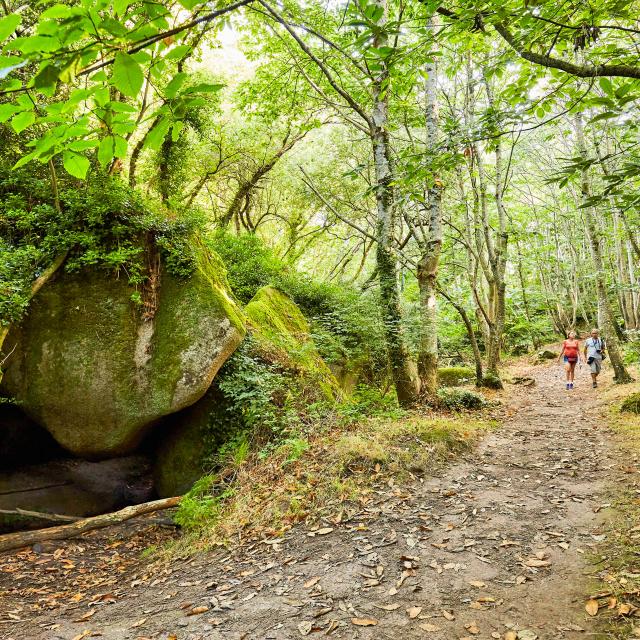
(499, 541)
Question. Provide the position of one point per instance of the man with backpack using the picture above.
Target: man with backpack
(594, 352)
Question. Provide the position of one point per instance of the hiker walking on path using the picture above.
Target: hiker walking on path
(571, 353)
(594, 348)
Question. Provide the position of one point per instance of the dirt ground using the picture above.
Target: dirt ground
(503, 540)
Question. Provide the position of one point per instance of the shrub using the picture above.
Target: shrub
(458, 399)
(631, 404)
(491, 381)
(455, 376)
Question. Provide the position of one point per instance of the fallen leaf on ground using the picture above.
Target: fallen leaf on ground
(427, 626)
(311, 582)
(305, 627)
(86, 616)
(448, 615)
(625, 609)
(477, 583)
(323, 532)
(537, 563)
(472, 628)
(196, 611)
(387, 607)
(82, 635)
(364, 622)
(139, 623)
(510, 635)
(414, 612)
(592, 607)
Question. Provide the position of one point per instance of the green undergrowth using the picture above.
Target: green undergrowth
(328, 466)
(460, 399)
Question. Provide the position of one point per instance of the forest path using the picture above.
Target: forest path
(498, 542)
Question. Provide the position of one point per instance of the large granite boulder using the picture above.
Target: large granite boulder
(280, 335)
(89, 368)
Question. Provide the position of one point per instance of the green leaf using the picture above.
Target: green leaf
(204, 87)
(127, 75)
(120, 147)
(606, 86)
(22, 121)
(47, 76)
(178, 52)
(176, 129)
(7, 110)
(75, 164)
(25, 159)
(106, 151)
(156, 136)
(189, 4)
(82, 145)
(8, 25)
(56, 12)
(174, 85)
(34, 44)
(120, 6)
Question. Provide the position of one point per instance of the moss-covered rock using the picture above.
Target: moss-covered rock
(458, 399)
(281, 347)
(185, 442)
(631, 404)
(455, 376)
(284, 335)
(491, 381)
(544, 355)
(96, 375)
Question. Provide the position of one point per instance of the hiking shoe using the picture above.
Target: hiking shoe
(568, 387)
(595, 384)
(571, 385)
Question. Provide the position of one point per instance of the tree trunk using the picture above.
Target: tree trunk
(477, 357)
(604, 306)
(428, 265)
(402, 369)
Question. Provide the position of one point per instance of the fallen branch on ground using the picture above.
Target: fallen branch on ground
(54, 517)
(63, 532)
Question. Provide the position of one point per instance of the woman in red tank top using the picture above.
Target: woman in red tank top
(571, 353)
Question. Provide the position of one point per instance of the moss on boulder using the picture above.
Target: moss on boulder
(455, 376)
(284, 335)
(97, 376)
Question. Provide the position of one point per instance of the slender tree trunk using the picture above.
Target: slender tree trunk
(403, 372)
(477, 356)
(604, 306)
(428, 265)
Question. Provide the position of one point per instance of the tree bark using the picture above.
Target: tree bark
(427, 271)
(64, 532)
(404, 377)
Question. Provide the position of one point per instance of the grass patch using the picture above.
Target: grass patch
(328, 471)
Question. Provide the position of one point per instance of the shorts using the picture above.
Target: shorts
(596, 365)
(566, 359)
